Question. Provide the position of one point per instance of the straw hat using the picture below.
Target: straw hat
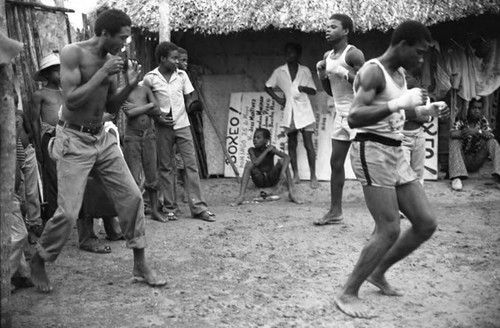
(47, 61)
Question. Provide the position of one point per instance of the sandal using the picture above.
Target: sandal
(95, 247)
(171, 216)
(206, 216)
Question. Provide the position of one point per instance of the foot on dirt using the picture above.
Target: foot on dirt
(94, 246)
(39, 275)
(206, 216)
(158, 216)
(238, 201)
(329, 218)
(314, 183)
(384, 286)
(296, 179)
(148, 276)
(294, 199)
(352, 306)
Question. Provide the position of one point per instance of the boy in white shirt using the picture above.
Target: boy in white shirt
(173, 91)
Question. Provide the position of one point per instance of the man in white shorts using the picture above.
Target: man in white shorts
(336, 72)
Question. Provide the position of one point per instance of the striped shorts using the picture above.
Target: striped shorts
(380, 162)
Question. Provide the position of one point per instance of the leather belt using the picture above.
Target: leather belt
(80, 128)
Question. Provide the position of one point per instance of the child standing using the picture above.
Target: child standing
(261, 167)
(43, 116)
(295, 80)
(140, 142)
(173, 90)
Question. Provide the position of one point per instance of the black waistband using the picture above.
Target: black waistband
(81, 128)
(377, 138)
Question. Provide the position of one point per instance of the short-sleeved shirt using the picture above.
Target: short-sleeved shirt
(297, 104)
(170, 94)
(472, 144)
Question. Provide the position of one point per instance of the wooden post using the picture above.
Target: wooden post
(7, 172)
(164, 20)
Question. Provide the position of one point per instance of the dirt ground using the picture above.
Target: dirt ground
(266, 265)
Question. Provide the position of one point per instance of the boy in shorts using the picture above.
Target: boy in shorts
(261, 167)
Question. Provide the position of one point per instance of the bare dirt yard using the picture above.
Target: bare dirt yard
(266, 265)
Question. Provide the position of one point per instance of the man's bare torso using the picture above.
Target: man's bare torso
(90, 114)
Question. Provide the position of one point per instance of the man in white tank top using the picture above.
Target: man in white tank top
(381, 103)
(336, 72)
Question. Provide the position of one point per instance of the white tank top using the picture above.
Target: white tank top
(342, 92)
(392, 125)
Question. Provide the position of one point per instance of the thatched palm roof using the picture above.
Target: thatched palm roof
(225, 16)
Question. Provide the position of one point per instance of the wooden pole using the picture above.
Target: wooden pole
(7, 170)
(164, 20)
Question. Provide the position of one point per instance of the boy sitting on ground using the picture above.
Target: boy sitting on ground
(262, 169)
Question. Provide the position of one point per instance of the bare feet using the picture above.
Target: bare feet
(238, 201)
(352, 306)
(384, 286)
(148, 276)
(39, 275)
(296, 179)
(158, 216)
(314, 183)
(294, 199)
(329, 218)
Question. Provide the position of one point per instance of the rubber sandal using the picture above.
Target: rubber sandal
(96, 248)
(322, 222)
(206, 216)
(171, 216)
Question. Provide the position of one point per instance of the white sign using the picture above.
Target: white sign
(251, 110)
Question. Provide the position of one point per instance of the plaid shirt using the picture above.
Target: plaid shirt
(472, 144)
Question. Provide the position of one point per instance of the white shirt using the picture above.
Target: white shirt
(297, 103)
(170, 94)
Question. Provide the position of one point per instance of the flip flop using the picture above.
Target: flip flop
(171, 216)
(96, 248)
(206, 216)
(322, 222)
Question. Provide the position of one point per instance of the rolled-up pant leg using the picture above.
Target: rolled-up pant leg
(31, 188)
(123, 190)
(75, 158)
(18, 241)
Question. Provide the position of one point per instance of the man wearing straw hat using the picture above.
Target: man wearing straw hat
(89, 84)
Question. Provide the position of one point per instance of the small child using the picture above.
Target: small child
(46, 102)
(261, 167)
(43, 115)
(140, 143)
